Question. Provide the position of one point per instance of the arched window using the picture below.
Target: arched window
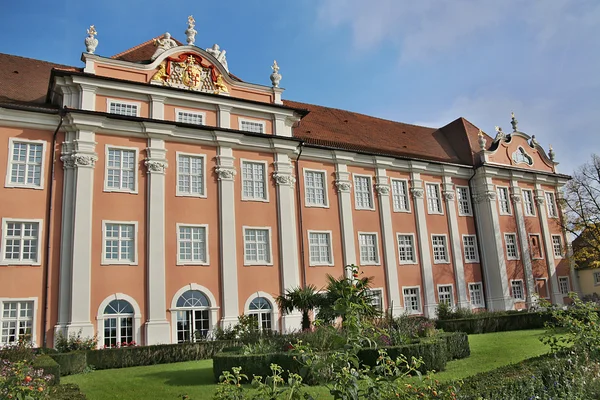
(193, 316)
(262, 310)
(118, 323)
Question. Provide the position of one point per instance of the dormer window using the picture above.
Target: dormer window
(521, 157)
(123, 108)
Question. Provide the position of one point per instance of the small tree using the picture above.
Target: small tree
(302, 299)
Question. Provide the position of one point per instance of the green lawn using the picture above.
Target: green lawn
(195, 378)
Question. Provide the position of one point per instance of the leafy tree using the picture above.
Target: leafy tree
(302, 299)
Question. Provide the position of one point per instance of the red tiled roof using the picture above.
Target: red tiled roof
(141, 52)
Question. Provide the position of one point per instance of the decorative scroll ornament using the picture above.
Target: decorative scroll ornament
(163, 44)
(190, 32)
(225, 173)
(79, 160)
(155, 166)
(539, 200)
(515, 198)
(343, 186)
(417, 193)
(284, 179)
(91, 42)
(487, 196)
(499, 134)
(219, 54)
(275, 76)
(481, 140)
(449, 195)
(187, 72)
(382, 189)
(520, 156)
(67, 161)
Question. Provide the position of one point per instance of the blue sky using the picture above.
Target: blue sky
(424, 62)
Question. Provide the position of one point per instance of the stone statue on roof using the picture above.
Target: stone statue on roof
(163, 44)
(219, 54)
(190, 32)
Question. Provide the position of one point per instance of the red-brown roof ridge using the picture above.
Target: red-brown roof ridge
(141, 52)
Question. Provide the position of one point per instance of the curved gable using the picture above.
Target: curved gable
(520, 150)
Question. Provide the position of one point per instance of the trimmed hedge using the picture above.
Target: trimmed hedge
(432, 350)
(495, 323)
(49, 366)
(257, 364)
(71, 363)
(158, 354)
(457, 344)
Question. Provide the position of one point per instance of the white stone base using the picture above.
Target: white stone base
(86, 329)
(500, 304)
(397, 311)
(430, 310)
(291, 323)
(228, 322)
(158, 332)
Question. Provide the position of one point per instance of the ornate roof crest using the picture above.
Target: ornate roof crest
(163, 44)
(219, 54)
(187, 72)
(190, 32)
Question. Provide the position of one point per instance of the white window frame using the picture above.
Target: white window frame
(540, 245)
(179, 111)
(137, 104)
(414, 249)
(478, 305)
(394, 194)
(596, 278)
(34, 318)
(320, 264)
(8, 184)
(551, 202)
(561, 255)
(325, 188)
(512, 291)
(178, 193)
(563, 279)
(274, 309)
(446, 249)
(377, 255)
(382, 297)
(475, 245)
(5, 261)
(506, 190)
(270, 249)
(439, 199)
(135, 169)
(206, 245)
(546, 285)
(525, 202)
(253, 121)
(451, 286)
(508, 257)
(266, 180)
(420, 303)
(468, 200)
(106, 261)
(372, 199)
(136, 317)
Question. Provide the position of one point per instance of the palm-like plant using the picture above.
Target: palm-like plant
(302, 299)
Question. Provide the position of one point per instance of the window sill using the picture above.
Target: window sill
(258, 264)
(471, 261)
(402, 211)
(441, 262)
(320, 265)
(192, 264)
(364, 208)
(434, 212)
(119, 263)
(112, 190)
(465, 215)
(255, 199)
(201, 196)
(11, 263)
(372, 264)
(513, 259)
(316, 205)
(408, 263)
(17, 186)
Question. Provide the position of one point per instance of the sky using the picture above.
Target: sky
(424, 62)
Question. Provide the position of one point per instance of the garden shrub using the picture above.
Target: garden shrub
(492, 322)
(21, 350)
(256, 364)
(21, 381)
(71, 363)
(74, 342)
(49, 366)
(457, 344)
(68, 391)
(432, 352)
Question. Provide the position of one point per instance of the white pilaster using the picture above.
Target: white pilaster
(523, 240)
(429, 308)
(157, 107)
(540, 200)
(224, 116)
(226, 172)
(344, 185)
(455, 238)
(389, 244)
(288, 237)
(87, 97)
(283, 125)
(157, 327)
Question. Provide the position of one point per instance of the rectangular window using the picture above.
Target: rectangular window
(476, 295)
(470, 248)
(376, 296)
(368, 248)
(26, 164)
(121, 108)
(190, 175)
(363, 192)
(528, 204)
(512, 252)
(464, 201)
(320, 248)
(440, 252)
(596, 278)
(503, 200)
(119, 243)
(120, 170)
(563, 284)
(557, 246)
(412, 300)
(190, 117)
(400, 195)
(315, 187)
(257, 246)
(252, 126)
(535, 247)
(434, 203)
(16, 321)
(21, 242)
(445, 295)
(517, 290)
(192, 244)
(551, 204)
(406, 249)
(254, 180)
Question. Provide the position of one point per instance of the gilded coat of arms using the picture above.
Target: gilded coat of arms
(186, 71)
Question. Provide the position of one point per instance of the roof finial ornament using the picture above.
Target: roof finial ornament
(534, 141)
(513, 121)
(551, 153)
(481, 140)
(219, 54)
(499, 134)
(190, 31)
(275, 76)
(91, 42)
(163, 44)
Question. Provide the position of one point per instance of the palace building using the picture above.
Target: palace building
(153, 195)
